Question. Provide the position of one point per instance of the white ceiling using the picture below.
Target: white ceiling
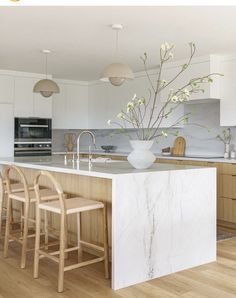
(83, 43)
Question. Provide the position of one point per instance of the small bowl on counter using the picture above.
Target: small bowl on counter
(108, 148)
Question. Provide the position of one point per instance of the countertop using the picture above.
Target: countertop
(158, 155)
(108, 169)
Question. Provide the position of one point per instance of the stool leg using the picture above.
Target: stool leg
(25, 234)
(7, 230)
(21, 218)
(62, 253)
(46, 229)
(78, 237)
(105, 237)
(1, 210)
(37, 243)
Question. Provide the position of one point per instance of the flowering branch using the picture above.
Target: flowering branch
(136, 113)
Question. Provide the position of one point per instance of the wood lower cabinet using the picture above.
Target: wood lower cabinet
(226, 188)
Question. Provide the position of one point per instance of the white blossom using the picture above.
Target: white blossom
(130, 105)
(163, 47)
(141, 101)
(167, 46)
(120, 116)
(164, 133)
(174, 98)
(109, 122)
(171, 55)
(186, 92)
(134, 97)
(163, 82)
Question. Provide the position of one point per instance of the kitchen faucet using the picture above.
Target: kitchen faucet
(78, 142)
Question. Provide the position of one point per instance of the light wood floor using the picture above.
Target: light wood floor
(214, 280)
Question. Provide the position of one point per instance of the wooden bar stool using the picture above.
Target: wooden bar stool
(15, 187)
(26, 197)
(65, 207)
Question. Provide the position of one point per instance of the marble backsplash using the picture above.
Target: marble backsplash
(200, 133)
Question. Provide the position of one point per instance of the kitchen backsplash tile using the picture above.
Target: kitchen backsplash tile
(200, 133)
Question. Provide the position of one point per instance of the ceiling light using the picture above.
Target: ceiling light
(46, 87)
(117, 73)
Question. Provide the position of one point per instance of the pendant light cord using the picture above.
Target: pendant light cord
(46, 65)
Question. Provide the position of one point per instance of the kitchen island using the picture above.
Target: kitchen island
(161, 220)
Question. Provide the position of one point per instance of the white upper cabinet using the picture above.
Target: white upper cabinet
(6, 89)
(98, 99)
(199, 67)
(70, 106)
(24, 97)
(30, 104)
(227, 91)
(77, 106)
(59, 108)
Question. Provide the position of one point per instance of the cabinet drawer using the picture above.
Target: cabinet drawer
(228, 168)
(228, 189)
(226, 209)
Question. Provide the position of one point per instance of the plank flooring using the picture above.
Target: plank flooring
(214, 280)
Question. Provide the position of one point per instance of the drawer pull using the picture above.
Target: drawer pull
(233, 175)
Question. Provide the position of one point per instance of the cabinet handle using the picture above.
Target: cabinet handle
(233, 175)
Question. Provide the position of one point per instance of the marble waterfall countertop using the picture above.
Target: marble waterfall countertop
(163, 218)
(103, 169)
(195, 157)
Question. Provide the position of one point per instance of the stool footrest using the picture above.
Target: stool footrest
(47, 255)
(82, 264)
(94, 246)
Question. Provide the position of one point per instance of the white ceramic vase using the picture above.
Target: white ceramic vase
(141, 157)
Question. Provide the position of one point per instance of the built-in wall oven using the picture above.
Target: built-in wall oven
(33, 137)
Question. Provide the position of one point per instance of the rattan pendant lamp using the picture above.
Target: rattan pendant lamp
(46, 87)
(117, 73)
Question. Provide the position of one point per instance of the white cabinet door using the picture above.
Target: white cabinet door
(70, 107)
(6, 89)
(24, 99)
(6, 130)
(76, 106)
(59, 108)
(42, 105)
(97, 108)
(227, 93)
(28, 103)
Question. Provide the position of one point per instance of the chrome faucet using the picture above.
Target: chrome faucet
(78, 141)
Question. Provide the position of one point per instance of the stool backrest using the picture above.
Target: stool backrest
(22, 177)
(55, 184)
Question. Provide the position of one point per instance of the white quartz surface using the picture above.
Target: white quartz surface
(158, 155)
(107, 169)
(162, 222)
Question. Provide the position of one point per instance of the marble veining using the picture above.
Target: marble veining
(164, 222)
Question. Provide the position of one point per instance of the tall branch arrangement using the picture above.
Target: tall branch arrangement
(145, 115)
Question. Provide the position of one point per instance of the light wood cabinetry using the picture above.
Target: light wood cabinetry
(226, 188)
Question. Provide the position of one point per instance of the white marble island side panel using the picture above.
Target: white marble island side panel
(162, 222)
